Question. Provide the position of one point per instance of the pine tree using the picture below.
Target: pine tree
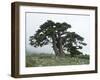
(58, 35)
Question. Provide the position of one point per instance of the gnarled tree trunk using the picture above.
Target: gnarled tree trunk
(61, 52)
(54, 45)
(57, 45)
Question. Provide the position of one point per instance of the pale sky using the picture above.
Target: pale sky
(80, 24)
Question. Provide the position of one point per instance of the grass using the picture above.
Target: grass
(37, 60)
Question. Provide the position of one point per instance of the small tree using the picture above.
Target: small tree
(58, 35)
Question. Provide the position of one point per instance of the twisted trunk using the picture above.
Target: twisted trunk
(57, 45)
(61, 53)
(54, 45)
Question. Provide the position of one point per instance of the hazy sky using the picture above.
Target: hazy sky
(80, 24)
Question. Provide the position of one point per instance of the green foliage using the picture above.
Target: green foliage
(61, 39)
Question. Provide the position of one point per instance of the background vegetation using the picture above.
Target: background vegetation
(39, 60)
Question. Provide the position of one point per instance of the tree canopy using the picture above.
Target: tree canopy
(59, 36)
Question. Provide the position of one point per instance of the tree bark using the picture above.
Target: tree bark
(54, 45)
(57, 45)
(61, 53)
